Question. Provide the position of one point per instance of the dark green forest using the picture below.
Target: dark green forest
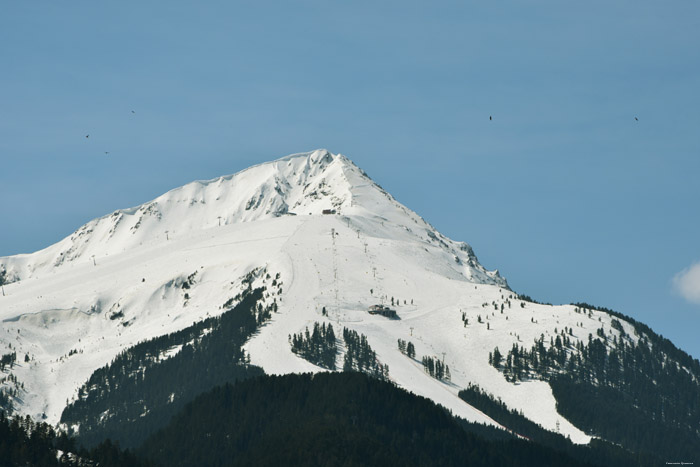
(359, 356)
(596, 452)
(25, 443)
(207, 405)
(641, 392)
(435, 368)
(319, 346)
(141, 391)
(321, 419)
(329, 419)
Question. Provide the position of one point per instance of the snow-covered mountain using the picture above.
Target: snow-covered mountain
(299, 184)
(339, 245)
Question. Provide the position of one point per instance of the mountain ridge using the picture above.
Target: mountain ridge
(366, 265)
(273, 192)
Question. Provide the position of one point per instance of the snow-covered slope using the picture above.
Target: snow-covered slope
(72, 307)
(299, 184)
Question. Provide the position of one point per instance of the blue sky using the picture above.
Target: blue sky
(569, 196)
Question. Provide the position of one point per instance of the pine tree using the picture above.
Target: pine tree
(402, 346)
(411, 350)
(497, 357)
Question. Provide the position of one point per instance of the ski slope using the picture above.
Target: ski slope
(72, 307)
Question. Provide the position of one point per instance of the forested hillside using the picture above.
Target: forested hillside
(347, 419)
(25, 443)
(636, 390)
(597, 451)
(144, 387)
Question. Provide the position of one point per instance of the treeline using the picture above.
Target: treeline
(319, 346)
(323, 419)
(407, 349)
(658, 341)
(6, 400)
(431, 365)
(596, 452)
(140, 391)
(655, 398)
(539, 362)
(10, 390)
(527, 298)
(359, 356)
(330, 419)
(9, 386)
(615, 415)
(435, 368)
(25, 443)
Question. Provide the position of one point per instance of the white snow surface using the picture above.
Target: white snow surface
(117, 281)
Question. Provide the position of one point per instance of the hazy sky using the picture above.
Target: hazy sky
(564, 191)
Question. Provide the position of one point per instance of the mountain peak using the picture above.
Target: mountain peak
(305, 241)
(313, 220)
(317, 156)
(312, 183)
